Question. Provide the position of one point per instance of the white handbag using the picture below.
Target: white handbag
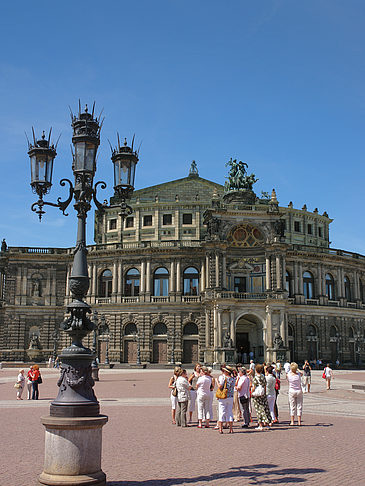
(259, 391)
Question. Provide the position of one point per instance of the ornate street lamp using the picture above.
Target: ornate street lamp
(94, 364)
(55, 343)
(76, 400)
(125, 160)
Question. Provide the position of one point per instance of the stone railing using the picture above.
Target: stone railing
(312, 301)
(334, 303)
(103, 300)
(130, 300)
(37, 250)
(351, 305)
(242, 295)
(328, 251)
(160, 299)
(191, 298)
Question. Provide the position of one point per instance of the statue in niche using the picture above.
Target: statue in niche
(227, 341)
(34, 342)
(4, 246)
(213, 229)
(36, 290)
(279, 227)
(278, 341)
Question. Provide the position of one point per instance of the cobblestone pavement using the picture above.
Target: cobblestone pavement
(142, 447)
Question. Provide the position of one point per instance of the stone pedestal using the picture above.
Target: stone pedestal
(73, 451)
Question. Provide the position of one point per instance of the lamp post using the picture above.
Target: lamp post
(55, 343)
(75, 411)
(94, 364)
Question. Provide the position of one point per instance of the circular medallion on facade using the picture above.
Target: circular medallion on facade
(245, 235)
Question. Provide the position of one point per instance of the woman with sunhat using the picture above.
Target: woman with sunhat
(226, 380)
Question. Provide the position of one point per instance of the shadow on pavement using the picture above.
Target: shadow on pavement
(259, 474)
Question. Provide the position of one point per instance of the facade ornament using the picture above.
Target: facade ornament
(274, 199)
(290, 205)
(193, 172)
(279, 227)
(304, 208)
(4, 246)
(278, 341)
(238, 179)
(227, 341)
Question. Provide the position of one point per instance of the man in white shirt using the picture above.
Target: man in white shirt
(252, 367)
(287, 367)
(243, 388)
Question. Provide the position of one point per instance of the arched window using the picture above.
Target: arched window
(333, 331)
(161, 282)
(159, 329)
(347, 286)
(288, 285)
(132, 282)
(312, 331)
(290, 330)
(190, 329)
(191, 281)
(130, 329)
(105, 284)
(330, 287)
(308, 285)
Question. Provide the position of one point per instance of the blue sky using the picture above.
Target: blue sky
(277, 84)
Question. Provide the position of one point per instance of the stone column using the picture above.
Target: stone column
(202, 277)
(216, 270)
(268, 327)
(207, 282)
(120, 280)
(219, 328)
(148, 277)
(278, 276)
(143, 270)
(296, 279)
(178, 276)
(114, 282)
(224, 271)
(172, 276)
(300, 271)
(207, 329)
(232, 329)
(215, 327)
(268, 274)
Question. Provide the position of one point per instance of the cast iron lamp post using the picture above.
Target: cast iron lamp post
(55, 343)
(76, 400)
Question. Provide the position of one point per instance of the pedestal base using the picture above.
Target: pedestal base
(73, 451)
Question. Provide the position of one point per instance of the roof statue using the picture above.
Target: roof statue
(238, 179)
(193, 169)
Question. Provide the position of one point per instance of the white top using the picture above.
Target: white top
(328, 372)
(243, 386)
(203, 385)
(287, 367)
(21, 379)
(270, 385)
(252, 366)
(182, 386)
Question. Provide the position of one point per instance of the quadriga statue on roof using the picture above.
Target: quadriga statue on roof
(238, 178)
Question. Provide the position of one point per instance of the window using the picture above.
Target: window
(129, 222)
(308, 282)
(240, 284)
(130, 329)
(362, 294)
(161, 282)
(147, 220)
(113, 224)
(310, 229)
(312, 331)
(297, 226)
(190, 329)
(160, 329)
(167, 219)
(347, 285)
(191, 281)
(105, 284)
(132, 282)
(288, 284)
(320, 232)
(330, 287)
(187, 218)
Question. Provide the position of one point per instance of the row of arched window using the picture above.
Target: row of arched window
(160, 329)
(160, 282)
(330, 287)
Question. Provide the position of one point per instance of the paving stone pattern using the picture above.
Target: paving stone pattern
(142, 447)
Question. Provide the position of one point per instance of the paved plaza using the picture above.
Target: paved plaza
(142, 447)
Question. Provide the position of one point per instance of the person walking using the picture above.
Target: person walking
(173, 395)
(307, 376)
(259, 398)
(328, 375)
(287, 367)
(295, 393)
(203, 397)
(226, 380)
(211, 392)
(19, 385)
(243, 390)
(29, 383)
(182, 386)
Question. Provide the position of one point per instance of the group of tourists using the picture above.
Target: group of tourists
(239, 391)
(32, 380)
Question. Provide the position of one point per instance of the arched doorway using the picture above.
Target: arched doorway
(190, 343)
(130, 343)
(159, 349)
(249, 339)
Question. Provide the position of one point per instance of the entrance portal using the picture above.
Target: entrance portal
(249, 339)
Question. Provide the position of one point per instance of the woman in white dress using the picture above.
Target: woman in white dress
(193, 378)
(21, 383)
(173, 395)
(225, 405)
(329, 375)
(203, 397)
